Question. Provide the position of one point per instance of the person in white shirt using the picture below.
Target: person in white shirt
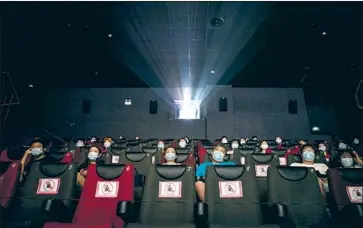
(308, 160)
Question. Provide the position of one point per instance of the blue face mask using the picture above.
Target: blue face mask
(218, 156)
(308, 155)
(36, 151)
(170, 156)
(92, 156)
(347, 162)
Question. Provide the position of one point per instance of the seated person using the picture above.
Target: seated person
(308, 160)
(242, 141)
(93, 140)
(265, 149)
(278, 140)
(94, 153)
(187, 139)
(170, 156)
(217, 159)
(224, 139)
(107, 142)
(34, 154)
(254, 138)
(161, 144)
(137, 138)
(182, 143)
(350, 160)
(80, 143)
(324, 151)
(234, 145)
(342, 145)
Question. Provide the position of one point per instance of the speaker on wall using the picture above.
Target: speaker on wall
(292, 106)
(153, 107)
(86, 106)
(223, 104)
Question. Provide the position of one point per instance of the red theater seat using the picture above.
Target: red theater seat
(105, 187)
(10, 173)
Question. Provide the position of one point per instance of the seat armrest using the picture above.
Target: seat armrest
(201, 214)
(360, 210)
(125, 210)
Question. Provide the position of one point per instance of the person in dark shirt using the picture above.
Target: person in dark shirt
(94, 154)
(34, 154)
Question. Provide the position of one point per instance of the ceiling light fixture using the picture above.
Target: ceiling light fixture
(212, 72)
(323, 33)
(109, 35)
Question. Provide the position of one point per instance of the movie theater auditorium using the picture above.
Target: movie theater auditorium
(128, 158)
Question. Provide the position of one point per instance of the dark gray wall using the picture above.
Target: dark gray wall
(251, 111)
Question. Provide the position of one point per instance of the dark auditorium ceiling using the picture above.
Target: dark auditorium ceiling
(139, 44)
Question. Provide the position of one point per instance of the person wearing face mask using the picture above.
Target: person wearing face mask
(182, 143)
(107, 142)
(170, 156)
(324, 152)
(265, 149)
(234, 146)
(218, 156)
(34, 154)
(242, 142)
(224, 140)
(80, 143)
(161, 145)
(350, 160)
(137, 138)
(254, 138)
(93, 140)
(357, 146)
(278, 140)
(93, 155)
(342, 146)
(308, 160)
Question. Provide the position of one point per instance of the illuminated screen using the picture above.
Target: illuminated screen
(188, 109)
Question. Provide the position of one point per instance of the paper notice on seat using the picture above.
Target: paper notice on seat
(48, 186)
(115, 159)
(242, 160)
(355, 194)
(261, 170)
(107, 189)
(282, 160)
(169, 189)
(230, 189)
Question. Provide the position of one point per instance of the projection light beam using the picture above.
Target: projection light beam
(181, 49)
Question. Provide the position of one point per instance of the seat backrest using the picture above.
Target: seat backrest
(183, 150)
(142, 161)
(149, 149)
(345, 186)
(185, 159)
(62, 157)
(169, 190)
(11, 155)
(292, 158)
(47, 181)
(298, 189)
(105, 186)
(10, 173)
(232, 191)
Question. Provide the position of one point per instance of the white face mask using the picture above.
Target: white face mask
(136, 138)
(342, 146)
(80, 144)
(243, 141)
(107, 144)
(356, 141)
(120, 137)
(224, 140)
(322, 148)
(264, 146)
(170, 156)
(278, 140)
(160, 145)
(182, 144)
(92, 156)
(347, 162)
(235, 145)
(93, 140)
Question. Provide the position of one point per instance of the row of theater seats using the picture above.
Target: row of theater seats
(233, 198)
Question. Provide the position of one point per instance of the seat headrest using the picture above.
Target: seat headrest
(134, 149)
(209, 150)
(170, 172)
(293, 173)
(109, 171)
(119, 145)
(118, 151)
(52, 170)
(229, 172)
(297, 158)
(57, 156)
(352, 175)
(245, 151)
(149, 149)
(278, 151)
(182, 150)
(262, 158)
(135, 156)
(181, 157)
